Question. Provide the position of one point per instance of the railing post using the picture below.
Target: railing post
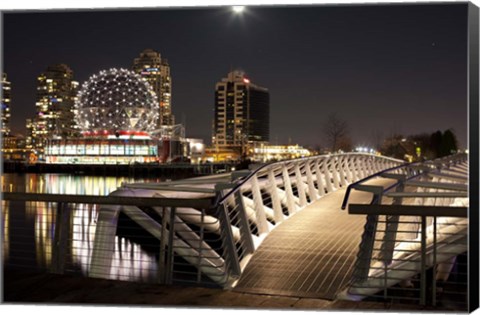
(359, 167)
(243, 224)
(162, 261)
(353, 169)
(423, 275)
(434, 267)
(170, 253)
(276, 203)
(60, 241)
(262, 225)
(200, 245)
(391, 225)
(300, 186)
(318, 175)
(348, 169)
(369, 163)
(364, 258)
(335, 164)
(326, 173)
(311, 186)
(341, 171)
(104, 242)
(292, 208)
(226, 227)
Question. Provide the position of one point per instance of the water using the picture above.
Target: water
(28, 228)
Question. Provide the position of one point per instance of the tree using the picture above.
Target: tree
(449, 143)
(336, 133)
(436, 143)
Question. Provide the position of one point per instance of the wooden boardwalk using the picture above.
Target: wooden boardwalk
(311, 254)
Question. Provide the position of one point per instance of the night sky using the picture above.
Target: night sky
(383, 68)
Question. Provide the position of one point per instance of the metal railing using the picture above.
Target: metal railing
(196, 231)
(414, 245)
(276, 191)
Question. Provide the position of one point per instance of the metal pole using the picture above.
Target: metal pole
(434, 278)
(423, 283)
(170, 253)
(243, 224)
(163, 247)
(200, 248)
(300, 186)
(62, 231)
(262, 223)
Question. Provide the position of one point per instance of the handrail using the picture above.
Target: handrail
(436, 162)
(409, 210)
(203, 203)
(352, 185)
(253, 173)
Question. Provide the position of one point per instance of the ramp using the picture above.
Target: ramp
(311, 254)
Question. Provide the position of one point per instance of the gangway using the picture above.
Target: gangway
(415, 228)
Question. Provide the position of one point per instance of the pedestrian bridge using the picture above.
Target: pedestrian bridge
(340, 226)
(283, 228)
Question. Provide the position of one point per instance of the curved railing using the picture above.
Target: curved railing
(250, 208)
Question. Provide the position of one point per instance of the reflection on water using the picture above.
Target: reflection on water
(28, 228)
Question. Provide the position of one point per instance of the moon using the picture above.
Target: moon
(238, 9)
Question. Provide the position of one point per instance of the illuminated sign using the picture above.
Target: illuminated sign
(148, 71)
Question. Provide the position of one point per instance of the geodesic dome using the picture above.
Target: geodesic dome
(116, 100)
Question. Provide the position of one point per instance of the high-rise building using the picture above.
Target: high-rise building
(156, 70)
(242, 113)
(56, 93)
(5, 113)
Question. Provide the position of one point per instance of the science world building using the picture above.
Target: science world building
(116, 111)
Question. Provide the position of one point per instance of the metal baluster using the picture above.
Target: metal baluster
(318, 174)
(311, 186)
(276, 203)
(262, 224)
(244, 225)
(300, 186)
(60, 241)
(423, 276)
(326, 173)
(292, 208)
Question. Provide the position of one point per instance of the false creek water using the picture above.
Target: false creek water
(28, 228)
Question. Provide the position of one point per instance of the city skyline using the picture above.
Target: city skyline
(382, 68)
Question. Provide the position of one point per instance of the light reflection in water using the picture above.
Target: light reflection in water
(130, 260)
(5, 229)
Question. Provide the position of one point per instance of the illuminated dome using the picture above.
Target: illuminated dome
(116, 100)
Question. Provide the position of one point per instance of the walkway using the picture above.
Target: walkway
(312, 253)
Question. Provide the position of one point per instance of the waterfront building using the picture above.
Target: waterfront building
(115, 111)
(263, 152)
(56, 93)
(241, 115)
(156, 71)
(13, 148)
(196, 150)
(5, 113)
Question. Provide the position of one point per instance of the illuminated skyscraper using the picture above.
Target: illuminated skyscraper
(56, 93)
(155, 69)
(6, 98)
(242, 113)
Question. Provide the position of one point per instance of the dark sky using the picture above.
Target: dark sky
(382, 68)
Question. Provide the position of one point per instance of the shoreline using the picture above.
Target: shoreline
(134, 170)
